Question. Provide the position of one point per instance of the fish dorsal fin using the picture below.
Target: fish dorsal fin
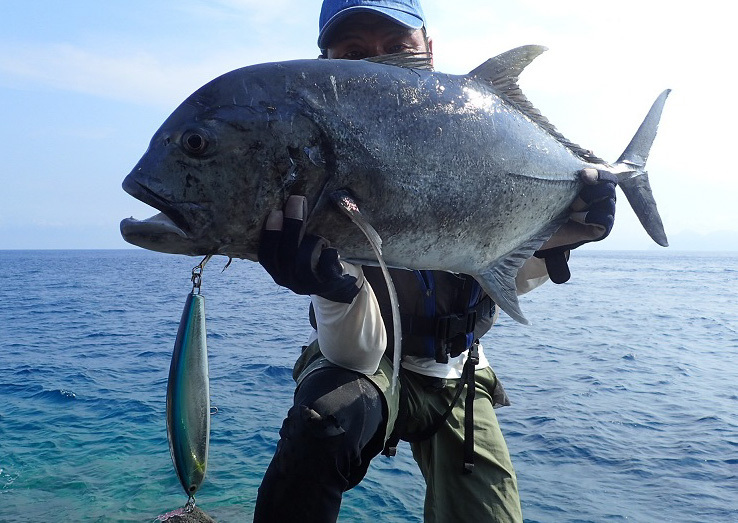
(503, 71)
(407, 59)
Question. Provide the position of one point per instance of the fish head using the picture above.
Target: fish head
(226, 157)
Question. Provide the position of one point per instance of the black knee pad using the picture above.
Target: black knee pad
(346, 396)
(306, 479)
(309, 442)
(337, 417)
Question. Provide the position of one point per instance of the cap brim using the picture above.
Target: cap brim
(407, 20)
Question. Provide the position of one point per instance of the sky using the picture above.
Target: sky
(85, 84)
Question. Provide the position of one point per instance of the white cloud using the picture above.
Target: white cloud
(141, 77)
(274, 22)
(134, 77)
(162, 69)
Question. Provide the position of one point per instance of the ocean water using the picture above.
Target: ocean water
(624, 389)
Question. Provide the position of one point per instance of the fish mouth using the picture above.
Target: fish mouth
(169, 231)
(173, 215)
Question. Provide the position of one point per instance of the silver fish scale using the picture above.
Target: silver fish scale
(455, 173)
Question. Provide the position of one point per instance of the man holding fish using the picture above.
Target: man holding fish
(345, 410)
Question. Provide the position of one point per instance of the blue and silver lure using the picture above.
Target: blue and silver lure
(188, 393)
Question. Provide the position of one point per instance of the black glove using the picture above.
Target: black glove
(303, 263)
(591, 220)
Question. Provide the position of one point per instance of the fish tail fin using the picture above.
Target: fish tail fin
(633, 178)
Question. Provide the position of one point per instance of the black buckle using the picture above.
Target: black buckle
(452, 331)
(474, 354)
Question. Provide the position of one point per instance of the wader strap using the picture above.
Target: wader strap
(467, 378)
(471, 388)
(390, 446)
(318, 363)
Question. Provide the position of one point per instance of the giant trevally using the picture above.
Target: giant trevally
(454, 172)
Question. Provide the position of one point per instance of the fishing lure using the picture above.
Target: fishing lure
(188, 393)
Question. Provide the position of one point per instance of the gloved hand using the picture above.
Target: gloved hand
(591, 220)
(305, 264)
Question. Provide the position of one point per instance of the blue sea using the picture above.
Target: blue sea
(624, 389)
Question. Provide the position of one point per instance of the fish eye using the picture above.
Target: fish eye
(195, 143)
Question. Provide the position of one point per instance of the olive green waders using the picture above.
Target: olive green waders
(489, 493)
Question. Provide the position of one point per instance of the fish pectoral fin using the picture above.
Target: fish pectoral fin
(499, 280)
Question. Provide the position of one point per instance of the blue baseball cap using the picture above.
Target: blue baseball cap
(406, 13)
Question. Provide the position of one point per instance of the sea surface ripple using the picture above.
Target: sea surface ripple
(624, 389)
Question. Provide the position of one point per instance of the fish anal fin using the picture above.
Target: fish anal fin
(499, 280)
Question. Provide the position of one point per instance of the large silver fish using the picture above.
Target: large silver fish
(457, 173)
(188, 397)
